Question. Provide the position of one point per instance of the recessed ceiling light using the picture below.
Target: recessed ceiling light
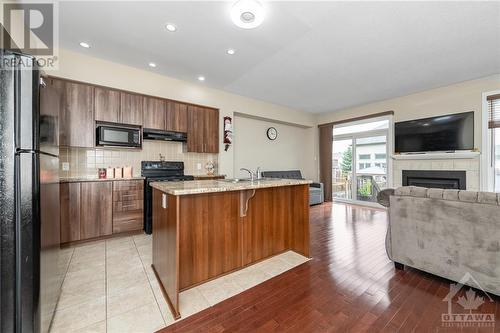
(85, 45)
(152, 64)
(201, 78)
(247, 14)
(230, 51)
(171, 27)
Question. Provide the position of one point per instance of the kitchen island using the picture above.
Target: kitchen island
(205, 229)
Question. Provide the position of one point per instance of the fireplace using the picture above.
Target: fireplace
(435, 179)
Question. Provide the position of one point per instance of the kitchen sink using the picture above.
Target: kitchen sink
(236, 180)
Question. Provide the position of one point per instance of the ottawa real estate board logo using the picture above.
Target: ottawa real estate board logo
(31, 29)
(468, 307)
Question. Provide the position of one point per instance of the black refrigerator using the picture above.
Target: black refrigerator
(30, 278)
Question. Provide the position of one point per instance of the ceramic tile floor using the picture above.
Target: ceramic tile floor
(110, 287)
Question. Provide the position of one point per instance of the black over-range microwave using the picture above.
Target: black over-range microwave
(118, 136)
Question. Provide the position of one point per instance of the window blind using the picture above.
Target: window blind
(493, 111)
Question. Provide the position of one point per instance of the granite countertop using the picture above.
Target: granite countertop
(212, 186)
(94, 179)
(208, 176)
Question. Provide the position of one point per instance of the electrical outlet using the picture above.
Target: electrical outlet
(198, 166)
(65, 166)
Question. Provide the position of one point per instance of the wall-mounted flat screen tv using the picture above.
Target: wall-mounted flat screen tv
(444, 133)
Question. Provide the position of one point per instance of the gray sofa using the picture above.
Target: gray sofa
(450, 233)
(316, 193)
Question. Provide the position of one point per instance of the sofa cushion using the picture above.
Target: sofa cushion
(435, 193)
(467, 196)
(291, 174)
(450, 195)
(488, 198)
(403, 191)
(420, 192)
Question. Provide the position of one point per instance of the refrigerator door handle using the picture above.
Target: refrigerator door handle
(33, 151)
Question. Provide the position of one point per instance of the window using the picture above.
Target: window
(380, 156)
(364, 156)
(494, 127)
(364, 165)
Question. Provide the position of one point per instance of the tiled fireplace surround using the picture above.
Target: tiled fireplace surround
(469, 165)
(84, 162)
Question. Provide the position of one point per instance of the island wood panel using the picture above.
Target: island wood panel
(177, 117)
(299, 220)
(77, 125)
(165, 247)
(131, 109)
(154, 113)
(266, 226)
(97, 208)
(107, 105)
(210, 242)
(70, 212)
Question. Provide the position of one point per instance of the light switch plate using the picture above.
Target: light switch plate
(65, 166)
(164, 204)
(198, 166)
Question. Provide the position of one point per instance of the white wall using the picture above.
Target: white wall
(78, 66)
(292, 150)
(461, 97)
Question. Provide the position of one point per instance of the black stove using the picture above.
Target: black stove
(158, 171)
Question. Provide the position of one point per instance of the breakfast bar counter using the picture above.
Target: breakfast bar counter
(205, 229)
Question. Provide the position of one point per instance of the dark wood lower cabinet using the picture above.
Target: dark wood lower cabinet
(70, 212)
(128, 206)
(96, 209)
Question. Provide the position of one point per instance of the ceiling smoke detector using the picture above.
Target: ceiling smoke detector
(247, 14)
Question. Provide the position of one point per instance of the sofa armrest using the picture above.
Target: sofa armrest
(317, 185)
(383, 197)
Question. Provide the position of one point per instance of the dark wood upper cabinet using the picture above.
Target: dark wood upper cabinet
(211, 130)
(131, 107)
(154, 113)
(203, 130)
(177, 117)
(107, 105)
(96, 218)
(195, 133)
(76, 126)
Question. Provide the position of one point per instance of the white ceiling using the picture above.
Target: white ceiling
(311, 56)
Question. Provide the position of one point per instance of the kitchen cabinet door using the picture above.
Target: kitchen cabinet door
(77, 127)
(107, 105)
(96, 209)
(70, 212)
(211, 130)
(195, 133)
(131, 107)
(177, 118)
(154, 113)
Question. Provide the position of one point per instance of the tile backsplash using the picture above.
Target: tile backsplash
(84, 162)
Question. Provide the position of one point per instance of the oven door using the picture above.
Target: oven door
(113, 136)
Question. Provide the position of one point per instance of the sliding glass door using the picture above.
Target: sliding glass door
(360, 160)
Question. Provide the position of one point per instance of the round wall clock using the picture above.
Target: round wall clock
(272, 133)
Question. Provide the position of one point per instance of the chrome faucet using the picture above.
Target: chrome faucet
(252, 176)
(257, 175)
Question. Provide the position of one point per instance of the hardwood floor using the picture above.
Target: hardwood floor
(349, 286)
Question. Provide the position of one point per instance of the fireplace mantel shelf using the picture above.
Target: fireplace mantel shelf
(437, 156)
